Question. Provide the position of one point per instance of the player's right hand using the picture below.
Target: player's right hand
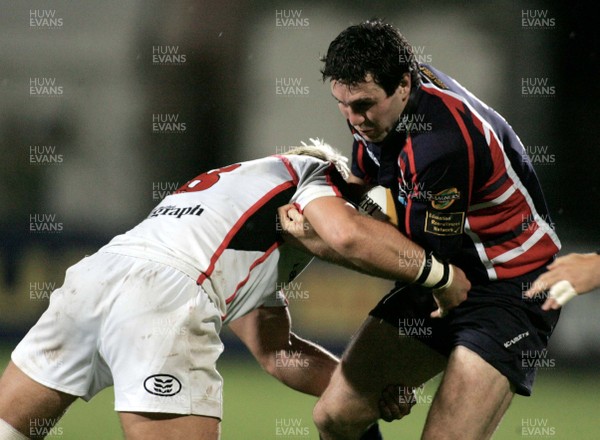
(450, 297)
(292, 222)
(396, 401)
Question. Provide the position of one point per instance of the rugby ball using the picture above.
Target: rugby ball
(378, 202)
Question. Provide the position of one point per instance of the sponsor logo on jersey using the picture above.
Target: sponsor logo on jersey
(445, 198)
(162, 385)
(416, 191)
(176, 211)
(444, 223)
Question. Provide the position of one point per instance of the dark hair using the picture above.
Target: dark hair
(371, 47)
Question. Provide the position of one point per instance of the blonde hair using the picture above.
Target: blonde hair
(323, 151)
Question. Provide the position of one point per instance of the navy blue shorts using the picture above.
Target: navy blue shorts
(509, 332)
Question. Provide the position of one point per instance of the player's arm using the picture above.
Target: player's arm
(568, 276)
(338, 233)
(378, 248)
(299, 233)
(296, 362)
(301, 364)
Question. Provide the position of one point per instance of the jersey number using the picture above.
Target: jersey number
(206, 180)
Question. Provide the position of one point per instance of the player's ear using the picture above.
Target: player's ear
(403, 89)
(404, 86)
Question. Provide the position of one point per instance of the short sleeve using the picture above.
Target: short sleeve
(315, 179)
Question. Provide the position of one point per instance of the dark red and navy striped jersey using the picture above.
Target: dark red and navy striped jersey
(464, 186)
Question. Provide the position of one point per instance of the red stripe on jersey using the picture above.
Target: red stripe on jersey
(408, 149)
(360, 157)
(455, 106)
(510, 213)
(290, 168)
(238, 225)
(252, 266)
(328, 171)
(531, 259)
(514, 243)
(502, 189)
(496, 154)
(500, 219)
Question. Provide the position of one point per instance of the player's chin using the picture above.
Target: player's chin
(374, 136)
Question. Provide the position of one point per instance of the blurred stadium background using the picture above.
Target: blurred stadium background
(108, 106)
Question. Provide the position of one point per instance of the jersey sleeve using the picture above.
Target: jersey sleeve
(292, 263)
(276, 299)
(316, 178)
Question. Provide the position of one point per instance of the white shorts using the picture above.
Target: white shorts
(144, 326)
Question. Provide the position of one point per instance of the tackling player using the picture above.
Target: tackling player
(464, 192)
(145, 311)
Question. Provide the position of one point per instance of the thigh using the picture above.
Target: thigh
(29, 406)
(61, 349)
(470, 401)
(149, 426)
(161, 341)
(376, 357)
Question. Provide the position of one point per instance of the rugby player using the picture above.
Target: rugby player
(463, 192)
(145, 311)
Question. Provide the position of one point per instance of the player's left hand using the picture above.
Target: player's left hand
(396, 402)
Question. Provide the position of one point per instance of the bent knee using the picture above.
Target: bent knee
(321, 416)
(329, 422)
(337, 419)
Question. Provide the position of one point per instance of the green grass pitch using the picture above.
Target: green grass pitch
(257, 407)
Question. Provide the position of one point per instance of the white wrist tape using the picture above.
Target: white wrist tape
(450, 277)
(434, 274)
(562, 292)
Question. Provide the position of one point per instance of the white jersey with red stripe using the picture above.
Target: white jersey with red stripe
(221, 229)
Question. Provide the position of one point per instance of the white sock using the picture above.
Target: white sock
(7, 432)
